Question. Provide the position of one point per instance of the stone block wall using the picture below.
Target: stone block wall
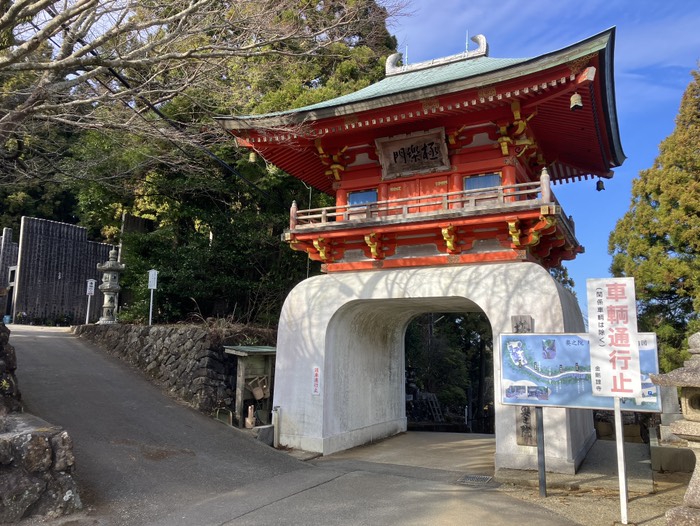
(9, 391)
(36, 464)
(187, 360)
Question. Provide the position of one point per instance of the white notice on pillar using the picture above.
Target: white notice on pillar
(152, 279)
(612, 325)
(316, 388)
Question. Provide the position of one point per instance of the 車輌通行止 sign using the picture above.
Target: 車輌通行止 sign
(612, 325)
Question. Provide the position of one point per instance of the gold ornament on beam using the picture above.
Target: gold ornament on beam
(448, 234)
(514, 232)
(373, 244)
(335, 162)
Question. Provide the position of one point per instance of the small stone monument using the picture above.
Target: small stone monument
(688, 379)
(110, 287)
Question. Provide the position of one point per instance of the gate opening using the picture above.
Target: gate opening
(449, 373)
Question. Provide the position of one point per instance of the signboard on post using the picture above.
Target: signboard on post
(612, 324)
(608, 368)
(152, 285)
(153, 279)
(554, 370)
(90, 293)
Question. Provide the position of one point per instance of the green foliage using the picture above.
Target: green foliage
(561, 274)
(658, 239)
(216, 246)
(35, 199)
(450, 355)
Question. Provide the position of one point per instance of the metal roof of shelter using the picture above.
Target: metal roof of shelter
(250, 350)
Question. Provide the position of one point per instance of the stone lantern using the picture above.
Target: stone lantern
(110, 287)
(688, 379)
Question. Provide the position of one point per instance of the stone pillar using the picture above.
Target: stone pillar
(688, 379)
(110, 287)
(670, 412)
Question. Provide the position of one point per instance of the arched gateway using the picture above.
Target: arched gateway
(441, 174)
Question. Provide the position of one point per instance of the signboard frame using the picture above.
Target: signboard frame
(534, 342)
(421, 152)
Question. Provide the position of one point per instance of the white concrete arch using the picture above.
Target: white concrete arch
(349, 328)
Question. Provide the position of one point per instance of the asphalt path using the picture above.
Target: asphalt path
(144, 459)
(140, 454)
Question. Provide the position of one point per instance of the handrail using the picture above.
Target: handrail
(410, 206)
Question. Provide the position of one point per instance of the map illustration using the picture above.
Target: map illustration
(554, 370)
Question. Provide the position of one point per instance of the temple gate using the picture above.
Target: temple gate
(442, 176)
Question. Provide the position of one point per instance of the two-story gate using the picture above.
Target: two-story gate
(442, 176)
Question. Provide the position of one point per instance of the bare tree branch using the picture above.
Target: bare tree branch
(63, 63)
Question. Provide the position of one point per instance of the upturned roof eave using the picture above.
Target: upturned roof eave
(601, 42)
(610, 105)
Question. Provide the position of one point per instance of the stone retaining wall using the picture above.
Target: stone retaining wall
(36, 465)
(9, 392)
(187, 360)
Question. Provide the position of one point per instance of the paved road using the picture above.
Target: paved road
(144, 459)
(139, 453)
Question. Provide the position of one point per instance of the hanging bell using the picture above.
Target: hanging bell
(576, 102)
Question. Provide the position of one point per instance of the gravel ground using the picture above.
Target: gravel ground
(602, 507)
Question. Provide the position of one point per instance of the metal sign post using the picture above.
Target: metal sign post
(615, 359)
(152, 285)
(621, 469)
(542, 473)
(90, 293)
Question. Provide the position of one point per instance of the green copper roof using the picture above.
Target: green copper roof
(428, 80)
(414, 80)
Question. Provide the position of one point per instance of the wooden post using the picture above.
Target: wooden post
(508, 178)
(240, 391)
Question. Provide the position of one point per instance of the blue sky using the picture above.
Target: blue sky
(657, 45)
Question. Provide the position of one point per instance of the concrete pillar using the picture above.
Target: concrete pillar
(340, 354)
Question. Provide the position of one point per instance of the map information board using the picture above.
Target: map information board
(554, 370)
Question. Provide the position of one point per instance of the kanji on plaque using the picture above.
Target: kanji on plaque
(612, 318)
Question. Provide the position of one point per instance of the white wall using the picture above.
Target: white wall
(352, 326)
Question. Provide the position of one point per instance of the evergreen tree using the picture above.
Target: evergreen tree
(658, 240)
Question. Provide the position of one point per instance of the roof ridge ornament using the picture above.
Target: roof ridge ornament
(392, 62)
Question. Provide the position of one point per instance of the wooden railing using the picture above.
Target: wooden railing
(495, 197)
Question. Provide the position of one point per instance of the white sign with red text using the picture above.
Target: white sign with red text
(316, 385)
(612, 325)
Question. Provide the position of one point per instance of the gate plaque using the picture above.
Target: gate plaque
(413, 153)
